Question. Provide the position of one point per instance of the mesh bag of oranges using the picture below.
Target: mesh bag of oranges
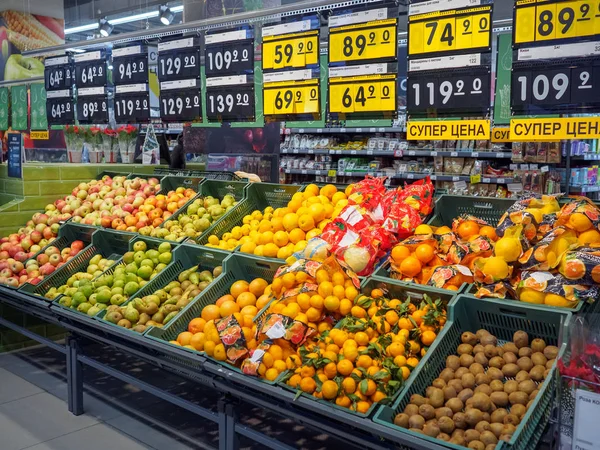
(370, 352)
(530, 214)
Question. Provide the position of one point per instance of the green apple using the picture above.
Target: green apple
(19, 67)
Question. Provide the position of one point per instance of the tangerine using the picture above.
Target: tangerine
(211, 312)
(423, 229)
(238, 288)
(424, 253)
(196, 325)
(400, 253)
(488, 232)
(257, 286)
(410, 267)
(468, 228)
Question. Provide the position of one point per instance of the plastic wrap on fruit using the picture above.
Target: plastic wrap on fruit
(464, 218)
(528, 212)
(480, 247)
(445, 241)
(510, 247)
(232, 338)
(490, 270)
(304, 288)
(457, 251)
(359, 257)
(305, 265)
(316, 250)
(251, 364)
(555, 290)
(452, 275)
(581, 265)
(419, 196)
(547, 225)
(402, 220)
(547, 253)
(278, 326)
(367, 192)
(579, 215)
(502, 289)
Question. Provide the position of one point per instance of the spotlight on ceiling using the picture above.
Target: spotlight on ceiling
(165, 14)
(105, 27)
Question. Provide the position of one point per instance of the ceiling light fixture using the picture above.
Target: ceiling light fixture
(165, 14)
(105, 27)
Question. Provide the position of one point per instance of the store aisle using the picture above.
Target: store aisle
(34, 415)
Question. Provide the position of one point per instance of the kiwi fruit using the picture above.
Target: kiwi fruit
(538, 373)
(518, 410)
(446, 424)
(431, 429)
(490, 351)
(550, 363)
(476, 368)
(444, 411)
(521, 339)
(525, 364)
(411, 410)
(482, 378)
(460, 372)
(447, 374)
(482, 402)
(427, 411)
(546, 372)
(486, 417)
(453, 362)
(511, 419)
(527, 386)
(439, 383)
(490, 447)
(505, 437)
(473, 416)
(496, 386)
(449, 392)
(497, 427)
(468, 380)
(550, 352)
(510, 347)
(458, 432)
(499, 415)
(476, 445)
(522, 375)
(480, 358)
(488, 339)
(482, 426)
(497, 362)
(460, 420)
(488, 437)
(469, 403)
(478, 349)
(443, 437)
(466, 360)
(509, 358)
(499, 351)
(418, 400)
(480, 333)
(510, 370)
(499, 399)
(525, 351)
(533, 394)
(538, 345)
(511, 386)
(458, 440)
(436, 398)
(455, 404)
(465, 395)
(495, 373)
(471, 435)
(518, 397)
(401, 420)
(416, 421)
(416, 430)
(483, 389)
(464, 349)
(428, 390)
(468, 338)
(456, 384)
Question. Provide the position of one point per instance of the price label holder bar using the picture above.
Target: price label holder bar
(180, 101)
(92, 105)
(179, 59)
(59, 107)
(225, 103)
(91, 69)
(426, 6)
(130, 64)
(372, 41)
(58, 73)
(290, 51)
(229, 53)
(292, 100)
(367, 95)
(133, 103)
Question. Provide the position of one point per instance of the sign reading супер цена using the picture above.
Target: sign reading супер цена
(555, 129)
(448, 130)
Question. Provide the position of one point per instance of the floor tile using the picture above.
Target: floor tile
(92, 406)
(30, 372)
(146, 434)
(96, 437)
(37, 418)
(13, 387)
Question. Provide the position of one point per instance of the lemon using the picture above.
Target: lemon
(529, 295)
(558, 300)
(423, 229)
(496, 267)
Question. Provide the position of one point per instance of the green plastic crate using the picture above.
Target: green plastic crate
(208, 174)
(171, 182)
(184, 257)
(110, 244)
(67, 233)
(236, 267)
(258, 197)
(395, 289)
(449, 207)
(502, 320)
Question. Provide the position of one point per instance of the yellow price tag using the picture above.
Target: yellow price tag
(475, 179)
(40, 135)
(539, 20)
(368, 93)
(366, 41)
(291, 97)
(332, 173)
(290, 50)
(448, 31)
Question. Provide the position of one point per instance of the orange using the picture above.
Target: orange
(496, 267)
(424, 253)
(358, 312)
(197, 341)
(238, 287)
(306, 222)
(246, 299)
(196, 325)
(427, 337)
(361, 338)
(330, 370)
(369, 388)
(349, 385)
(362, 407)
(589, 237)
(329, 389)
(308, 385)
(280, 238)
(331, 303)
(400, 360)
(316, 301)
(313, 314)
(257, 286)
(488, 232)
(345, 367)
(405, 324)
(219, 352)
(579, 222)
(325, 288)
(262, 301)
(395, 349)
(224, 299)
(209, 347)
(410, 267)
(391, 317)
(290, 221)
(317, 211)
(228, 308)
(184, 338)
(296, 235)
(400, 253)
(312, 190)
(211, 312)
(467, 229)
(294, 380)
(364, 361)
(405, 372)
(423, 229)
(270, 250)
(249, 310)
(328, 190)
(418, 316)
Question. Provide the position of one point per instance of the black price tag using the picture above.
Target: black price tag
(133, 107)
(448, 92)
(92, 109)
(179, 65)
(58, 77)
(226, 104)
(180, 105)
(60, 111)
(229, 58)
(130, 69)
(91, 73)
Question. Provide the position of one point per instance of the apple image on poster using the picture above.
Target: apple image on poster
(18, 67)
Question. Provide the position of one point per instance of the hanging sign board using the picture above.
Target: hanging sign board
(369, 41)
(539, 130)
(229, 53)
(289, 98)
(59, 107)
(92, 105)
(130, 64)
(288, 51)
(58, 73)
(448, 130)
(18, 95)
(91, 69)
(501, 134)
(375, 93)
(15, 155)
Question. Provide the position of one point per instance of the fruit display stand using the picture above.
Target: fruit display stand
(208, 174)
(448, 207)
(502, 320)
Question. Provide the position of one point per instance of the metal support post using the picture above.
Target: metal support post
(232, 437)
(222, 422)
(74, 378)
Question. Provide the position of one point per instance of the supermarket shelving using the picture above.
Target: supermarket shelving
(461, 154)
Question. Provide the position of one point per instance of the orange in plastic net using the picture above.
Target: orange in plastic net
(547, 253)
(580, 215)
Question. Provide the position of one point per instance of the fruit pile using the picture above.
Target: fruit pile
(243, 303)
(483, 393)
(160, 307)
(277, 233)
(199, 215)
(138, 267)
(19, 270)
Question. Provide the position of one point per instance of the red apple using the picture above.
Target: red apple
(13, 250)
(16, 266)
(47, 233)
(21, 256)
(42, 259)
(4, 255)
(35, 248)
(12, 281)
(52, 251)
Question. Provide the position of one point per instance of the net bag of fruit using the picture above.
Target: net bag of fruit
(529, 213)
